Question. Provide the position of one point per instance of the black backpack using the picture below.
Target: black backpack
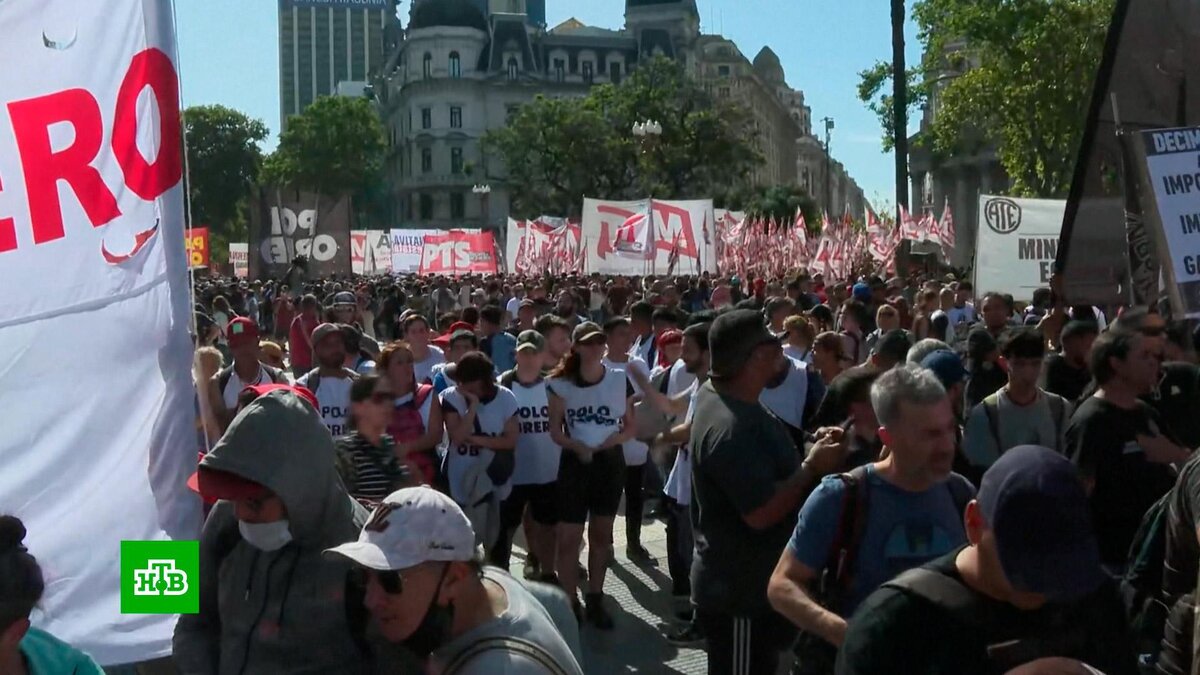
(963, 605)
(226, 374)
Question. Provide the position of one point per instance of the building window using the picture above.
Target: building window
(560, 70)
(614, 72)
(426, 160)
(456, 161)
(510, 111)
(427, 66)
(512, 68)
(455, 117)
(457, 208)
(426, 118)
(723, 71)
(455, 65)
(587, 72)
(426, 207)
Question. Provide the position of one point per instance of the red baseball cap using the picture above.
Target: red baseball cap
(670, 336)
(302, 392)
(215, 484)
(241, 331)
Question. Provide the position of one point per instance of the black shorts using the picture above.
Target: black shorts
(542, 500)
(590, 489)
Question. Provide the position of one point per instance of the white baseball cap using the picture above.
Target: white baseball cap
(410, 527)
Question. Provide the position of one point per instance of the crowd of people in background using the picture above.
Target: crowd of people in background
(895, 475)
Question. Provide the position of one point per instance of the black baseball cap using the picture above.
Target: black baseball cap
(1035, 504)
(733, 338)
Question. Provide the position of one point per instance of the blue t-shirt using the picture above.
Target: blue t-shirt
(903, 530)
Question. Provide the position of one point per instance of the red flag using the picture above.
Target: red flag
(908, 227)
(949, 236)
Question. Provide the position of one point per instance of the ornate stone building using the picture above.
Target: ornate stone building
(462, 67)
(957, 180)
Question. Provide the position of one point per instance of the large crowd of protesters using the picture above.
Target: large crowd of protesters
(887, 476)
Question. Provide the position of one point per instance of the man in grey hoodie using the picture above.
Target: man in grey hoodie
(269, 601)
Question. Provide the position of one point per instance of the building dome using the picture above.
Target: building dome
(461, 13)
(767, 66)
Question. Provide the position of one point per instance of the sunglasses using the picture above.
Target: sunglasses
(390, 581)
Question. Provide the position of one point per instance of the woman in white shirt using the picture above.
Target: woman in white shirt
(481, 421)
(591, 417)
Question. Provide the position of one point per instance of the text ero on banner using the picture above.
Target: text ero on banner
(1173, 171)
(196, 245)
(1016, 245)
(457, 253)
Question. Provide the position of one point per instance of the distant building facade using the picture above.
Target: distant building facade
(957, 180)
(323, 43)
(463, 67)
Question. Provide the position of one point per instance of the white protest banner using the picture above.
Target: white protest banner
(378, 253)
(406, 250)
(239, 258)
(687, 224)
(1016, 244)
(98, 437)
(1173, 170)
(358, 247)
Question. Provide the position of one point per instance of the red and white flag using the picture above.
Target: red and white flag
(946, 228)
(928, 228)
(909, 228)
(635, 237)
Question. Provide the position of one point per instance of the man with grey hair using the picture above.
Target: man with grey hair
(863, 528)
(923, 348)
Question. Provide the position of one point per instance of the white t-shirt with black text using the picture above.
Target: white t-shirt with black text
(464, 460)
(593, 411)
(537, 454)
(333, 399)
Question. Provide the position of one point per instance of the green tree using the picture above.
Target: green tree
(557, 151)
(224, 160)
(874, 84)
(1013, 74)
(335, 146)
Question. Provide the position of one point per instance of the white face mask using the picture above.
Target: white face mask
(266, 536)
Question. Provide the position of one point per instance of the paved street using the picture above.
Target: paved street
(640, 599)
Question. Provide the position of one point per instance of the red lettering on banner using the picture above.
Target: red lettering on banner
(605, 245)
(150, 68)
(43, 167)
(8, 230)
(665, 239)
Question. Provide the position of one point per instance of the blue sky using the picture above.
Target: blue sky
(229, 55)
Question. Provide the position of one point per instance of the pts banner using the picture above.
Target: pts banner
(289, 224)
(457, 253)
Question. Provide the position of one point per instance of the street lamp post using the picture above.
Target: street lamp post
(828, 162)
(647, 134)
(483, 190)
